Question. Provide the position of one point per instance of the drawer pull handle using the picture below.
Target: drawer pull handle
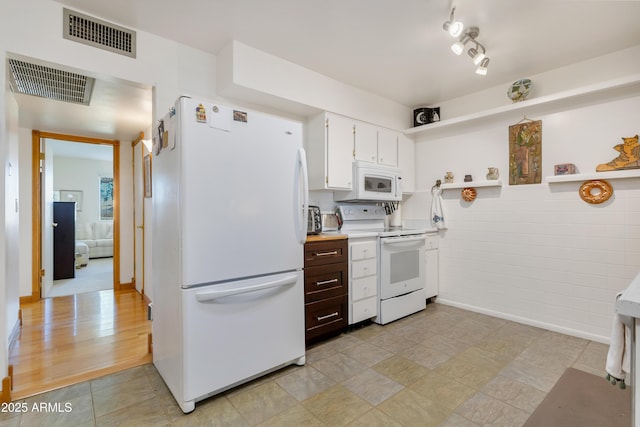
(326, 282)
(320, 318)
(326, 253)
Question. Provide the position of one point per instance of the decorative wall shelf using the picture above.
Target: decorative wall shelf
(600, 92)
(472, 184)
(579, 177)
(595, 189)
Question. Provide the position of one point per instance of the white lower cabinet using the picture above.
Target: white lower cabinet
(431, 265)
(363, 278)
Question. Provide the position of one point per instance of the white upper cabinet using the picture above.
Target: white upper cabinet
(329, 145)
(333, 142)
(376, 145)
(388, 147)
(366, 142)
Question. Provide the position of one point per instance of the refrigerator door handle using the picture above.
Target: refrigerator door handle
(215, 294)
(300, 216)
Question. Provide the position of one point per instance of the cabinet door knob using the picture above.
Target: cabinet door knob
(54, 224)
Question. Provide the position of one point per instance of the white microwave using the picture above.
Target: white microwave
(372, 182)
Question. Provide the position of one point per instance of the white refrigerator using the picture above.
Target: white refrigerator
(230, 202)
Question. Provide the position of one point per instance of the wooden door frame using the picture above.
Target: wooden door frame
(36, 200)
(134, 143)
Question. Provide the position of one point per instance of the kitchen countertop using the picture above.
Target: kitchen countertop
(629, 302)
(333, 235)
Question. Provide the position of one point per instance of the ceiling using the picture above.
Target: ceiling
(396, 49)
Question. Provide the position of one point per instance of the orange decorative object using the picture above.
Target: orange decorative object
(596, 191)
(469, 194)
(629, 157)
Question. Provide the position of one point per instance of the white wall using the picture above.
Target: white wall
(9, 238)
(537, 253)
(593, 71)
(82, 174)
(293, 88)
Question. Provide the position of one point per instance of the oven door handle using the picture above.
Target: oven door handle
(399, 240)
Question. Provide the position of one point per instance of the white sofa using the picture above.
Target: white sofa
(98, 236)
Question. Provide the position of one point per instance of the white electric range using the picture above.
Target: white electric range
(399, 265)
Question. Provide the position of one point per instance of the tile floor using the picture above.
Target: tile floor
(440, 367)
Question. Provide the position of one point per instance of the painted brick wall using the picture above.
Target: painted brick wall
(536, 253)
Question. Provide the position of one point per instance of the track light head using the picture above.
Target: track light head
(458, 46)
(476, 55)
(471, 34)
(482, 68)
(454, 28)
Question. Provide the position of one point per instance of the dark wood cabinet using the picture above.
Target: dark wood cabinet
(64, 240)
(326, 287)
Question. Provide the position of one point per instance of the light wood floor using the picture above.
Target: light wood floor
(70, 339)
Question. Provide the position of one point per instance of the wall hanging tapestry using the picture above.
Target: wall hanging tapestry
(525, 152)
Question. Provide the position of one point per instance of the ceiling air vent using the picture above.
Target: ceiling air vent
(51, 83)
(94, 32)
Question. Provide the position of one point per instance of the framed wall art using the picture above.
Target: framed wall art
(106, 198)
(525, 152)
(72, 196)
(147, 175)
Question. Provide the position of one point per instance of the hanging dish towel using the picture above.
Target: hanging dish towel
(437, 215)
(618, 358)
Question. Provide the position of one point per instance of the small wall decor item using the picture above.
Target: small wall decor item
(629, 157)
(106, 198)
(525, 152)
(565, 169)
(596, 191)
(448, 177)
(72, 196)
(519, 90)
(468, 178)
(425, 115)
(147, 175)
(493, 174)
(468, 194)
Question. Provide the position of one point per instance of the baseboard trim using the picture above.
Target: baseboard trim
(7, 386)
(526, 321)
(27, 299)
(127, 287)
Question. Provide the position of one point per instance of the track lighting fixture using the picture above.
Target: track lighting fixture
(453, 27)
(478, 52)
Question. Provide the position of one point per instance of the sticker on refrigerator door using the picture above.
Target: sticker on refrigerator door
(221, 117)
(201, 114)
(240, 116)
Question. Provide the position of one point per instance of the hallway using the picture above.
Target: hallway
(71, 339)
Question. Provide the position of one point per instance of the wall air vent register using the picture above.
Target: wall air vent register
(97, 33)
(51, 83)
